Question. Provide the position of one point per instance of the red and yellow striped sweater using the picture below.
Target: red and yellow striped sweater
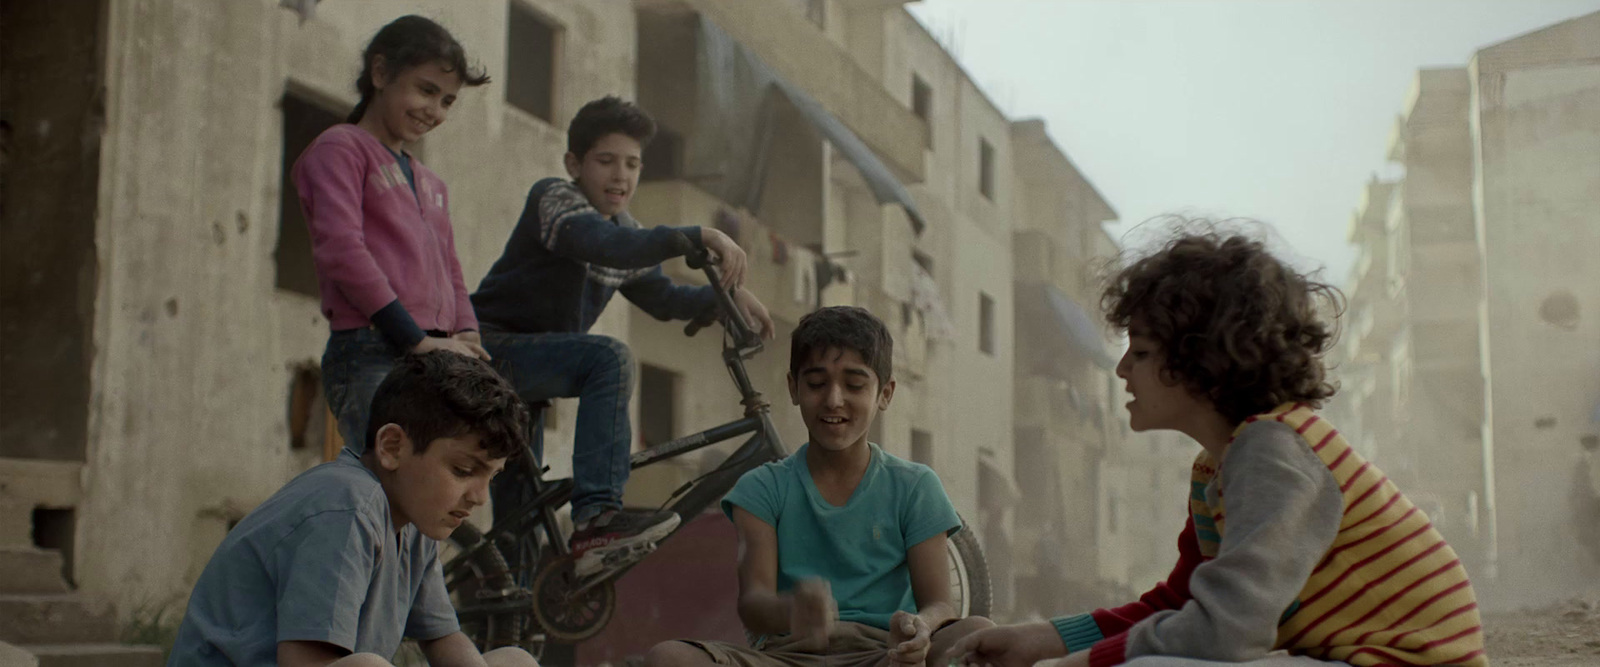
(1388, 591)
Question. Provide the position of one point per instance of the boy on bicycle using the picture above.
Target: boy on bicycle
(574, 247)
(842, 557)
(343, 561)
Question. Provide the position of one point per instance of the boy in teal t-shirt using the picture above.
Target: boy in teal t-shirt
(842, 546)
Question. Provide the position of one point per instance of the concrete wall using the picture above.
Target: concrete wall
(195, 347)
(1536, 111)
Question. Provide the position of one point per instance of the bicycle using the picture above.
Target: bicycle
(535, 597)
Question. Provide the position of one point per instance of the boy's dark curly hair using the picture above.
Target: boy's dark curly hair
(445, 395)
(608, 115)
(1235, 324)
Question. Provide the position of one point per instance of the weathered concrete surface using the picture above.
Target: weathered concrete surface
(1537, 115)
(195, 347)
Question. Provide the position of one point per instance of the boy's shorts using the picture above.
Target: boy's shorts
(850, 645)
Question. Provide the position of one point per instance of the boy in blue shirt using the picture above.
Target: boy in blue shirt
(842, 557)
(343, 561)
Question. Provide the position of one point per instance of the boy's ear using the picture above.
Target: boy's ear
(573, 163)
(391, 446)
(794, 394)
(885, 395)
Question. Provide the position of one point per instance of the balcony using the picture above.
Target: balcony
(798, 52)
(781, 274)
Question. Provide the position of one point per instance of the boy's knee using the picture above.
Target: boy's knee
(361, 660)
(675, 654)
(509, 656)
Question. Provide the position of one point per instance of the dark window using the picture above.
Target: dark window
(922, 447)
(531, 47)
(658, 395)
(303, 120)
(922, 105)
(985, 323)
(663, 158)
(986, 169)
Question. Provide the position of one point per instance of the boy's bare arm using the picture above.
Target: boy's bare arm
(761, 608)
(809, 612)
(910, 635)
(930, 580)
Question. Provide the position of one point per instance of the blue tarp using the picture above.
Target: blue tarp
(1070, 320)
(735, 117)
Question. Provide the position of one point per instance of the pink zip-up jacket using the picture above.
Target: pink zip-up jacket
(373, 240)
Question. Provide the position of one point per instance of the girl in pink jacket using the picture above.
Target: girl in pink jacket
(380, 223)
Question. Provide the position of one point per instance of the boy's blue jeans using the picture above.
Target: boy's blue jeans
(597, 370)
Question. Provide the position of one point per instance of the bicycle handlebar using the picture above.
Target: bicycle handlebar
(744, 338)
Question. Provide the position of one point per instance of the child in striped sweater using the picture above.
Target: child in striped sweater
(1297, 551)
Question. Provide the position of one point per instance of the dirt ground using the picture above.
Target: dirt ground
(1561, 635)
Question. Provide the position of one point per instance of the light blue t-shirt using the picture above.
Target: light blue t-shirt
(859, 548)
(318, 561)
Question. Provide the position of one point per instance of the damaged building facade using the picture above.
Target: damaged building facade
(163, 331)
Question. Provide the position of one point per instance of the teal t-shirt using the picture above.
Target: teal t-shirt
(859, 548)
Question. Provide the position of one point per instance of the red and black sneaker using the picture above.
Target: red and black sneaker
(620, 529)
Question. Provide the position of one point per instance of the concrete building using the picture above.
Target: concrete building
(159, 302)
(1535, 115)
(1468, 367)
(160, 298)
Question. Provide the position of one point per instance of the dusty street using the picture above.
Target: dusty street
(1566, 634)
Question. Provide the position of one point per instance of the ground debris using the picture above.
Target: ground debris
(1564, 634)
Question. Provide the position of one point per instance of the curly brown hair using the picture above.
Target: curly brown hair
(1235, 323)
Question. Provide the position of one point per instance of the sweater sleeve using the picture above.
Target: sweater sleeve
(657, 295)
(1284, 509)
(570, 227)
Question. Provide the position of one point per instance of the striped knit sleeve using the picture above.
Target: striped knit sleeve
(1284, 508)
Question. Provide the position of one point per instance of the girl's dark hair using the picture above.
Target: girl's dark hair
(608, 115)
(446, 395)
(1235, 324)
(407, 42)
(843, 328)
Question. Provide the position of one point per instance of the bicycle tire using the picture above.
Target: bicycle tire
(966, 558)
(487, 570)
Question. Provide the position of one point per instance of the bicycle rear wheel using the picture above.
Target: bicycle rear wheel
(970, 589)
(493, 610)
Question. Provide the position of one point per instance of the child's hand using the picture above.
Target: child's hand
(755, 314)
(908, 639)
(730, 257)
(1009, 646)
(458, 346)
(812, 613)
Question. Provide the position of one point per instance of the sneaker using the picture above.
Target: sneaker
(617, 529)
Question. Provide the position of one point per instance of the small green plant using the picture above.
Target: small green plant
(153, 624)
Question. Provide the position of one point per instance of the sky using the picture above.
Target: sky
(1277, 110)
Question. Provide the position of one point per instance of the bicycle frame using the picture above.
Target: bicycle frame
(763, 446)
